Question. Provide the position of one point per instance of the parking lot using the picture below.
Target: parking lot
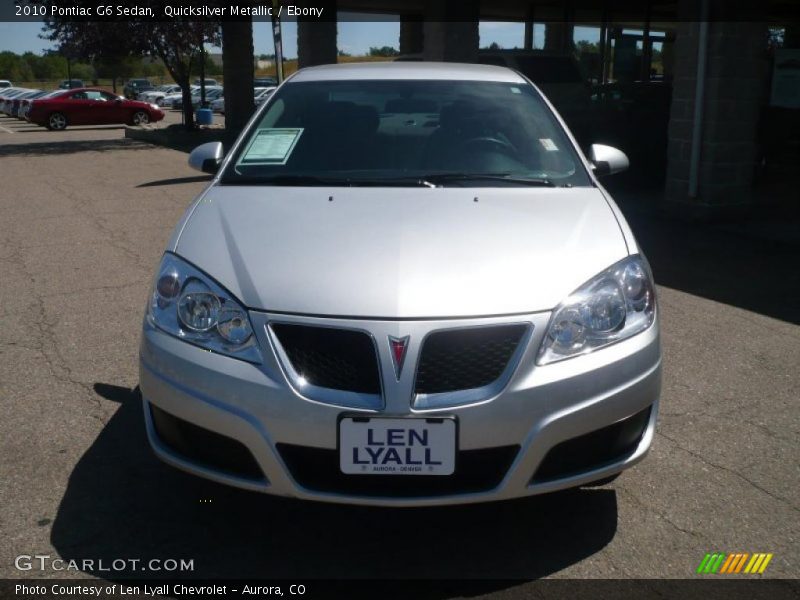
(84, 217)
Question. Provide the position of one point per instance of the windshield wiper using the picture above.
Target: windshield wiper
(440, 178)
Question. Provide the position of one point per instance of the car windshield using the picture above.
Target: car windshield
(406, 133)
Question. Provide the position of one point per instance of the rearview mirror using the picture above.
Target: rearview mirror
(207, 157)
(607, 160)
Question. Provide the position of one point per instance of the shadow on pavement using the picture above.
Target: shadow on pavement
(175, 181)
(121, 502)
(70, 147)
(707, 260)
(42, 128)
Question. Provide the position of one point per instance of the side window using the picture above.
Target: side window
(107, 97)
(94, 96)
(80, 96)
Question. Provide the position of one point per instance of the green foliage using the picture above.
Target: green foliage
(45, 67)
(383, 51)
(585, 46)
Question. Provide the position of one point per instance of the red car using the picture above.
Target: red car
(88, 106)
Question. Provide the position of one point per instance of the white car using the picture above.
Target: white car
(406, 285)
(265, 93)
(170, 100)
(259, 95)
(154, 95)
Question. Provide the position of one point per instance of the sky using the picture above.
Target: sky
(354, 37)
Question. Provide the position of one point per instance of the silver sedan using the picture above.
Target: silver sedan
(405, 285)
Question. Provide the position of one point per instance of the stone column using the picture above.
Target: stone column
(558, 37)
(411, 34)
(451, 30)
(316, 38)
(735, 90)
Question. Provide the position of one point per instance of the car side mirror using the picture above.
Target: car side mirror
(207, 157)
(607, 160)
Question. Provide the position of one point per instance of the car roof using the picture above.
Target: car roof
(408, 70)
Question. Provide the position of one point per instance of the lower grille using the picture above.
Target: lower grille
(461, 359)
(317, 469)
(203, 447)
(594, 450)
(339, 359)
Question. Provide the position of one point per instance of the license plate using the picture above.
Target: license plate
(384, 446)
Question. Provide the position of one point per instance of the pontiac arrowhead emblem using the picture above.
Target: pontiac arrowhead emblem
(398, 346)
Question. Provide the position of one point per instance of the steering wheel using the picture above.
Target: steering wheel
(491, 143)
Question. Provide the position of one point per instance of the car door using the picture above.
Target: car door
(77, 107)
(115, 108)
(98, 111)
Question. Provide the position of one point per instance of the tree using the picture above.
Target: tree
(586, 46)
(384, 51)
(178, 43)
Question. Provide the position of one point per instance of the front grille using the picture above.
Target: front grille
(462, 359)
(339, 359)
(203, 447)
(318, 469)
(594, 450)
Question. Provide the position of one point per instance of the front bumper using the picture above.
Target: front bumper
(538, 408)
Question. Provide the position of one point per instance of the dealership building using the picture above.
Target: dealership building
(711, 88)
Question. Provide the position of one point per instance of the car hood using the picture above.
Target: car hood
(400, 252)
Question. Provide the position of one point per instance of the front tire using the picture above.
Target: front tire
(57, 121)
(140, 117)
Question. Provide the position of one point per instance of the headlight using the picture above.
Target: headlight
(191, 306)
(154, 106)
(616, 304)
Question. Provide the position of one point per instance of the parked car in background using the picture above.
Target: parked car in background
(169, 100)
(88, 106)
(15, 103)
(212, 93)
(5, 83)
(134, 86)
(7, 96)
(25, 105)
(404, 286)
(209, 82)
(265, 82)
(71, 84)
(259, 95)
(156, 94)
(265, 93)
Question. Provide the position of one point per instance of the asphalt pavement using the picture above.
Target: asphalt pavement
(84, 217)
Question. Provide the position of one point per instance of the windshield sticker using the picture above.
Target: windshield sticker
(515, 90)
(271, 146)
(548, 144)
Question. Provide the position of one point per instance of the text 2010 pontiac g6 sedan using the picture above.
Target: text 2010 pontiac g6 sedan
(403, 286)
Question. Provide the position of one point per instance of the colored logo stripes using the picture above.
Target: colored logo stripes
(741, 562)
